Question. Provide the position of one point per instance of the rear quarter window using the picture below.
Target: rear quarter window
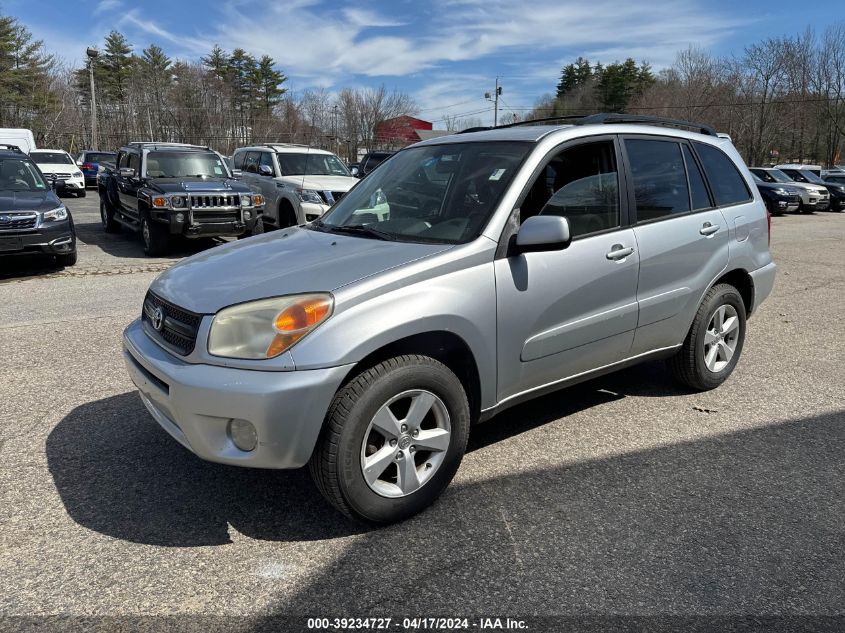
(727, 183)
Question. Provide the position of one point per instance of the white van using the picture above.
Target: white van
(18, 136)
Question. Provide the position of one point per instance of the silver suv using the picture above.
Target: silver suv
(465, 275)
(299, 183)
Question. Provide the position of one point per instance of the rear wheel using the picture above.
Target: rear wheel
(156, 238)
(714, 343)
(393, 439)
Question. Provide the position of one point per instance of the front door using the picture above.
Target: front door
(128, 186)
(563, 313)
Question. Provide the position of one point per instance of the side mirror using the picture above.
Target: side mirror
(354, 171)
(57, 184)
(543, 233)
(237, 173)
(126, 172)
(265, 170)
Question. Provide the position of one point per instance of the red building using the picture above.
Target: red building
(400, 131)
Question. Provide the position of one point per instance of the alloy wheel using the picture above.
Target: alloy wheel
(405, 443)
(721, 338)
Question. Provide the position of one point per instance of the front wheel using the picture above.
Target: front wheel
(714, 343)
(257, 229)
(156, 238)
(392, 440)
(81, 194)
(68, 259)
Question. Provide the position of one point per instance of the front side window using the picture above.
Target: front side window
(20, 175)
(434, 193)
(176, 164)
(51, 158)
(135, 162)
(311, 164)
(727, 183)
(659, 178)
(585, 188)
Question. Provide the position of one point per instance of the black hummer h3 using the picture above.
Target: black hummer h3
(167, 189)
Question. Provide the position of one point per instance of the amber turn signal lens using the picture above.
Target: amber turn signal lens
(257, 199)
(159, 202)
(296, 321)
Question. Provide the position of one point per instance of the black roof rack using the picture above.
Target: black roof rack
(166, 145)
(11, 148)
(607, 117)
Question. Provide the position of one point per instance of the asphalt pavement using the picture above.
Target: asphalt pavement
(625, 501)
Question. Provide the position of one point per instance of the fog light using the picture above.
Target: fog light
(243, 435)
(180, 217)
(247, 215)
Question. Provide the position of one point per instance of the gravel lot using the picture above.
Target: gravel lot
(625, 495)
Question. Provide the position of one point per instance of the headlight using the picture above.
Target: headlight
(77, 174)
(309, 195)
(266, 328)
(246, 201)
(178, 202)
(782, 191)
(55, 215)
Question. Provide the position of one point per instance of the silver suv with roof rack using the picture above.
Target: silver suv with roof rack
(163, 190)
(299, 182)
(501, 265)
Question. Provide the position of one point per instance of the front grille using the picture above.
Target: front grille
(210, 201)
(18, 221)
(330, 197)
(216, 217)
(179, 327)
(60, 176)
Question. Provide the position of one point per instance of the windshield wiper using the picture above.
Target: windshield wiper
(359, 229)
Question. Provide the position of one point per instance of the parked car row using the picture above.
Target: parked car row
(815, 193)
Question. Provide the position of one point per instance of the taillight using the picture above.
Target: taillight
(87, 166)
(769, 225)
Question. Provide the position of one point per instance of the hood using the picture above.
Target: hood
(197, 185)
(321, 183)
(28, 200)
(61, 168)
(806, 186)
(280, 263)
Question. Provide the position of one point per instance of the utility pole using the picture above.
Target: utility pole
(495, 101)
(334, 134)
(92, 55)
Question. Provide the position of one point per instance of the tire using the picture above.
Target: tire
(81, 194)
(258, 229)
(66, 260)
(690, 364)
(110, 225)
(337, 465)
(287, 215)
(156, 238)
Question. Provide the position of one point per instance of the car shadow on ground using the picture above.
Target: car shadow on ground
(118, 473)
(738, 524)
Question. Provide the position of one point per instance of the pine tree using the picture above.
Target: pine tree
(267, 84)
(24, 74)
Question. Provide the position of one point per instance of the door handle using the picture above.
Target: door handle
(617, 252)
(708, 229)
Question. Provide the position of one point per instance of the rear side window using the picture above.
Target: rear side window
(238, 160)
(727, 183)
(698, 190)
(660, 179)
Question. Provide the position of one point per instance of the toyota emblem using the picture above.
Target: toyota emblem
(158, 319)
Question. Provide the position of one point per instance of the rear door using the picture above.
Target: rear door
(681, 236)
(561, 313)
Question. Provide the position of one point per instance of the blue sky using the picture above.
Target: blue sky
(445, 53)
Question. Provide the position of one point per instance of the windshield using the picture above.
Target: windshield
(306, 164)
(810, 177)
(51, 158)
(435, 193)
(20, 175)
(99, 157)
(778, 176)
(185, 165)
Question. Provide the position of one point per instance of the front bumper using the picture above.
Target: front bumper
(196, 402)
(764, 280)
(74, 184)
(206, 223)
(53, 238)
(311, 210)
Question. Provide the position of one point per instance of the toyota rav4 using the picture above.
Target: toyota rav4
(505, 263)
